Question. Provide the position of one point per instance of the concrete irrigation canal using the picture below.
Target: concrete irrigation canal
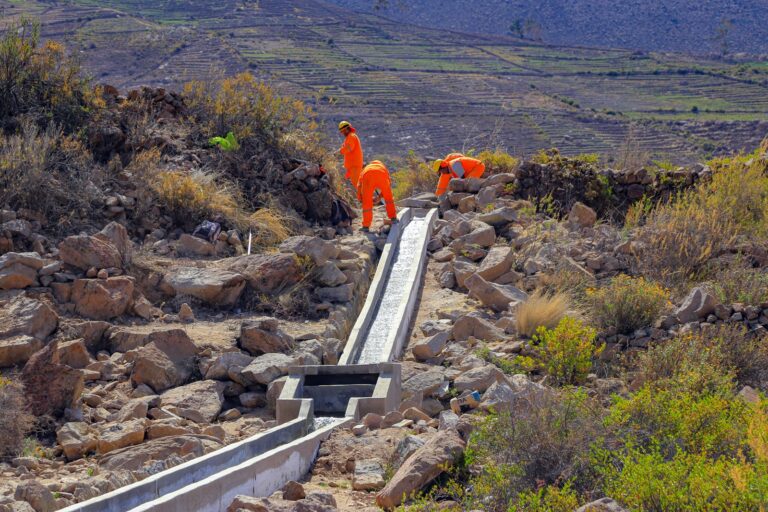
(314, 401)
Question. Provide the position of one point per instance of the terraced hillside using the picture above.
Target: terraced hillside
(412, 88)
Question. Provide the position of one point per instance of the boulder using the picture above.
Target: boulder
(76, 439)
(116, 435)
(102, 299)
(368, 475)
(73, 353)
(157, 451)
(214, 286)
(343, 293)
(328, 274)
(39, 497)
(517, 393)
(15, 274)
(427, 463)
(423, 384)
(118, 236)
(293, 491)
(463, 270)
(18, 349)
(219, 368)
(697, 305)
(189, 245)
(498, 262)
(428, 348)
(470, 325)
(478, 379)
(200, 402)
(84, 252)
(266, 368)
(26, 316)
(317, 249)
(167, 360)
(266, 273)
(499, 217)
(498, 297)
(50, 387)
(262, 336)
(582, 215)
(483, 236)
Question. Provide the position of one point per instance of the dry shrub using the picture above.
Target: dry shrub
(198, 195)
(742, 285)
(15, 421)
(541, 310)
(41, 82)
(271, 226)
(413, 176)
(498, 161)
(48, 172)
(705, 222)
(627, 303)
(257, 114)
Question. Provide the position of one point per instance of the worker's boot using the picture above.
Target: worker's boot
(394, 220)
(365, 230)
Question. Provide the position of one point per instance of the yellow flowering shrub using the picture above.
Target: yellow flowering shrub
(568, 350)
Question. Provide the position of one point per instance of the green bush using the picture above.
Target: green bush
(567, 350)
(412, 176)
(627, 303)
(498, 161)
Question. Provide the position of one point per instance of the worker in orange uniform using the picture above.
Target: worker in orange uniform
(459, 166)
(352, 151)
(374, 181)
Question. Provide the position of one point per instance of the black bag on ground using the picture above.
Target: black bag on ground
(341, 213)
(208, 230)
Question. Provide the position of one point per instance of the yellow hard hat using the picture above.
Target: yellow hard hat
(437, 164)
(344, 124)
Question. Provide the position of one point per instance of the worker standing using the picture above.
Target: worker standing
(459, 166)
(352, 151)
(374, 180)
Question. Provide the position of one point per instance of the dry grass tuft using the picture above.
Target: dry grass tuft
(15, 421)
(541, 310)
(498, 161)
(413, 176)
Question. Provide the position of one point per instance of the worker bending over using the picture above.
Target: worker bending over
(374, 181)
(459, 166)
(352, 151)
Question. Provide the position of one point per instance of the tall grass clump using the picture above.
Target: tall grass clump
(682, 235)
(413, 176)
(15, 421)
(541, 310)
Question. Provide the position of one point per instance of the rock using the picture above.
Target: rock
(496, 296)
(76, 440)
(200, 401)
(293, 491)
(359, 429)
(426, 464)
(102, 299)
(142, 308)
(698, 304)
(448, 420)
(266, 368)
(118, 236)
(415, 414)
(84, 252)
(262, 336)
(186, 314)
(17, 227)
(343, 293)
(50, 387)
(405, 448)
(582, 215)
(189, 245)
(317, 249)
(498, 262)
(469, 325)
(391, 418)
(113, 436)
(219, 368)
(29, 317)
(253, 399)
(157, 450)
(73, 353)
(478, 379)
(423, 384)
(428, 348)
(214, 286)
(37, 495)
(602, 505)
(167, 360)
(483, 236)
(266, 273)
(328, 274)
(499, 217)
(368, 475)
(516, 394)
(463, 270)
(17, 275)
(18, 349)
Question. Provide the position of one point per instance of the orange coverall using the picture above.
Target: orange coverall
(375, 176)
(353, 157)
(462, 167)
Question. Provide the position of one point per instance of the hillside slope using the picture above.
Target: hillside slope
(430, 91)
(650, 25)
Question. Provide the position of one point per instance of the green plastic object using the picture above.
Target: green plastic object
(228, 143)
